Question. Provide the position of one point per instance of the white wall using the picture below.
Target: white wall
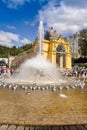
(6, 59)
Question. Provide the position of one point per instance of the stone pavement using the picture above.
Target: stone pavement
(65, 127)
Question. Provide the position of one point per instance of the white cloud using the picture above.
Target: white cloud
(11, 27)
(25, 41)
(30, 23)
(7, 38)
(11, 39)
(14, 3)
(76, 3)
(69, 17)
(27, 22)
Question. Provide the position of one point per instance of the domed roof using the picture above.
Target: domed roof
(51, 34)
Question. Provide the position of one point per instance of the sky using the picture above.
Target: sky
(19, 19)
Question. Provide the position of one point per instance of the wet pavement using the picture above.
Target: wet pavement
(36, 107)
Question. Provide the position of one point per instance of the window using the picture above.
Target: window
(60, 48)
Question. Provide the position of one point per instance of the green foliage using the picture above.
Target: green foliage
(80, 60)
(4, 51)
(85, 66)
(13, 51)
(83, 43)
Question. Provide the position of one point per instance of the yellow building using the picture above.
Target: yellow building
(56, 49)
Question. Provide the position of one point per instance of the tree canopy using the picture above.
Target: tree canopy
(13, 51)
(83, 43)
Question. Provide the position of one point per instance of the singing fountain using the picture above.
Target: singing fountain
(37, 70)
(34, 103)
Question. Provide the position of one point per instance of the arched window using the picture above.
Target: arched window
(60, 48)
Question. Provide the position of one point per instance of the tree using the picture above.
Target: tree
(83, 43)
(20, 50)
(13, 51)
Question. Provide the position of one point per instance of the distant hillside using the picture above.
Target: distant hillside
(13, 51)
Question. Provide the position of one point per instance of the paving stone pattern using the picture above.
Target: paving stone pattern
(67, 127)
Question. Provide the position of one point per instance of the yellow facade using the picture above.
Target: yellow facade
(58, 52)
(55, 48)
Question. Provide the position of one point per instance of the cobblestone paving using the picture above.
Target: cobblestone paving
(66, 127)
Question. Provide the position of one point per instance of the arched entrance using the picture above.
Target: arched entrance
(60, 56)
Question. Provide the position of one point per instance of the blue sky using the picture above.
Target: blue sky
(19, 19)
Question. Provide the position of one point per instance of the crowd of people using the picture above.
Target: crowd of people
(76, 71)
(4, 69)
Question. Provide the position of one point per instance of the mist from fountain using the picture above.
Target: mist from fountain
(38, 70)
